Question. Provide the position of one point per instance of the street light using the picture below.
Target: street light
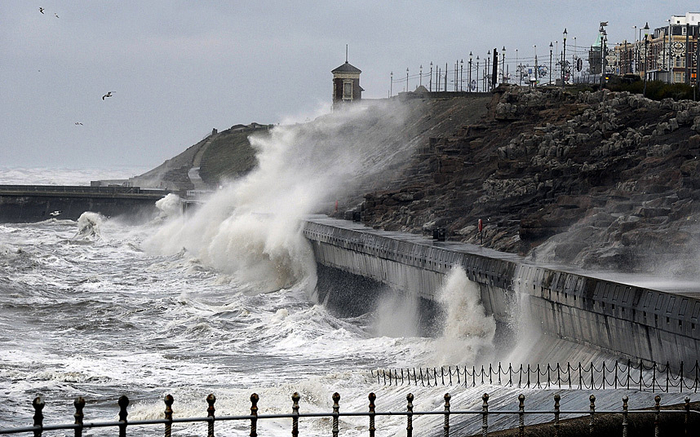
(477, 73)
(563, 63)
(550, 62)
(503, 65)
(471, 56)
(646, 56)
(431, 76)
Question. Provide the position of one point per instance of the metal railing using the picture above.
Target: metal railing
(638, 376)
(690, 417)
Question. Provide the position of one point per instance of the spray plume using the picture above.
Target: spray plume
(251, 228)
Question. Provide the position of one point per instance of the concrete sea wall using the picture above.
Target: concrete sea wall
(628, 321)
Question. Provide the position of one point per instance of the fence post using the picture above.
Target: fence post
(254, 415)
(123, 402)
(528, 376)
(590, 423)
(625, 408)
(615, 374)
(409, 416)
(473, 376)
(510, 374)
(490, 374)
(657, 411)
(629, 372)
(499, 373)
(548, 375)
(485, 415)
(295, 414)
(653, 377)
(38, 405)
(446, 426)
(168, 414)
(336, 413)
(558, 375)
(580, 375)
(211, 399)
(557, 398)
(521, 415)
(687, 416)
(641, 375)
(371, 397)
(79, 404)
(538, 376)
(681, 383)
(459, 382)
(520, 376)
(668, 375)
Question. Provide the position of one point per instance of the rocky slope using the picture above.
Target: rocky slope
(600, 180)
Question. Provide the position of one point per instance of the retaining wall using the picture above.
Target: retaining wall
(630, 321)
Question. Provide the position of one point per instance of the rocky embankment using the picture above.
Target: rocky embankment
(601, 180)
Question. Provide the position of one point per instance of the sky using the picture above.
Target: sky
(177, 69)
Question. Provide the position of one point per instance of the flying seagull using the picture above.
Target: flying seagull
(109, 94)
(56, 15)
(41, 10)
(77, 123)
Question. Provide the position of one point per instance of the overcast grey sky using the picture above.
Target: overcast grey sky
(177, 69)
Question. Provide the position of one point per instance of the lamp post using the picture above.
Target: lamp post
(420, 75)
(470, 71)
(431, 77)
(504, 77)
(461, 74)
(563, 64)
(634, 51)
(406, 79)
(477, 73)
(518, 69)
(646, 56)
(391, 84)
(537, 71)
(551, 46)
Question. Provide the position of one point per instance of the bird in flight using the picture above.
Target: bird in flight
(56, 15)
(77, 123)
(109, 94)
(41, 10)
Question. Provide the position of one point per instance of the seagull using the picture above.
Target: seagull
(41, 10)
(109, 94)
(77, 123)
(55, 213)
(56, 15)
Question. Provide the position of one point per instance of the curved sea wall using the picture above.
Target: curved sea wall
(629, 321)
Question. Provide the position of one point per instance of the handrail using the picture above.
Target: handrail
(655, 377)
(690, 416)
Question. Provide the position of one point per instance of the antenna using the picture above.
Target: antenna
(346, 53)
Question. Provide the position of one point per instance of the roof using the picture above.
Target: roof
(347, 68)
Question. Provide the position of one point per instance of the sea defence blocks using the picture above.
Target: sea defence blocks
(630, 321)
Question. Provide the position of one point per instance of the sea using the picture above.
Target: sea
(221, 301)
(103, 307)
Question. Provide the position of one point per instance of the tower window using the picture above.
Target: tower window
(347, 90)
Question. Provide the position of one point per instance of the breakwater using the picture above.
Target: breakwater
(629, 321)
(33, 203)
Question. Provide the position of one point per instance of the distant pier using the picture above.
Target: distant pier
(34, 203)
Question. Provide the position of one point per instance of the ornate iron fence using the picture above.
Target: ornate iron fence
(690, 418)
(639, 376)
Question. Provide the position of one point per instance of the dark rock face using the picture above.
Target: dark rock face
(602, 180)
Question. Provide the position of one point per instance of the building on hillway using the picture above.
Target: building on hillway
(346, 84)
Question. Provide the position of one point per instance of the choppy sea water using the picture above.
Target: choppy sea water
(102, 307)
(218, 302)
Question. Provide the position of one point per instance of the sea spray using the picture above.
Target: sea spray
(467, 331)
(251, 228)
